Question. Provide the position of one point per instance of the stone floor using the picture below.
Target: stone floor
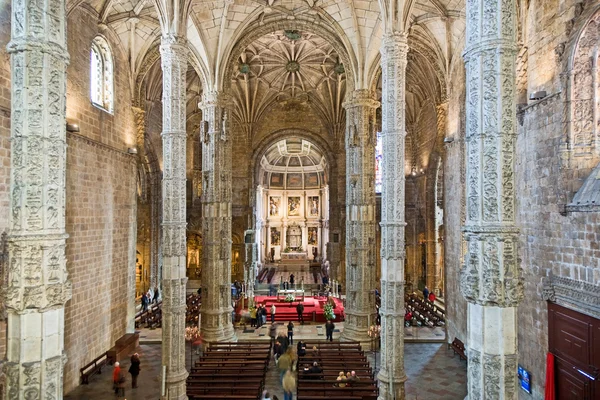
(433, 371)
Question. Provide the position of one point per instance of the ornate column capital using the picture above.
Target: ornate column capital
(361, 98)
(214, 98)
(394, 47)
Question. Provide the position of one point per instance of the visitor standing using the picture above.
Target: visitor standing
(118, 380)
(329, 327)
(300, 311)
(425, 293)
(263, 315)
(273, 309)
(290, 330)
(432, 297)
(252, 316)
(144, 302)
(156, 295)
(134, 369)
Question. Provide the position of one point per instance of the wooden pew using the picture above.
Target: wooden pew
(93, 367)
(459, 348)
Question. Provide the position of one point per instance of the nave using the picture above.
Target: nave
(433, 371)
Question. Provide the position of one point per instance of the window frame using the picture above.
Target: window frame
(101, 51)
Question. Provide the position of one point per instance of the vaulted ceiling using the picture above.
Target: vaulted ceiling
(268, 51)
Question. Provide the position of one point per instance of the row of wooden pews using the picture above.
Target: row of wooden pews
(424, 312)
(151, 318)
(334, 357)
(230, 371)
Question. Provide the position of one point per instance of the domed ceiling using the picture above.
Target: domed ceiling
(293, 163)
(287, 67)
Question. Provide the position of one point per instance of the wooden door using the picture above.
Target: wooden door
(574, 339)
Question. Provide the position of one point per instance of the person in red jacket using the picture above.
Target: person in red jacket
(432, 297)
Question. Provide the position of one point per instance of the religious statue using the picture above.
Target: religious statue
(313, 206)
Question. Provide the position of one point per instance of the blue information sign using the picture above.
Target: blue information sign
(525, 379)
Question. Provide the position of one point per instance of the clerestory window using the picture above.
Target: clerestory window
(101, 75)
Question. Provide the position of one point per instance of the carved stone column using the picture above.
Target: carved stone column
(491, 278)
(393, 66)
(173, 53)
(360, 215)
(37, 287)
(216, 225)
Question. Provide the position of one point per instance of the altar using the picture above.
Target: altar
(294, 256)
(294, 292)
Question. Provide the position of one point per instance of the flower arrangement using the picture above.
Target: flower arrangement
(328, 312)
(289, 298)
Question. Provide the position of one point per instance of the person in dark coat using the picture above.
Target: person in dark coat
(329, 327)
(134, 369)
(300, 311)
(290, 331)
(425, 293)
(144, 302)
(284, 342)
(301, 348)
(156, 294)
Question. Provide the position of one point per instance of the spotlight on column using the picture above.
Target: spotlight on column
(448, 139)
(132, 150)
(72, 127)
(537, 95)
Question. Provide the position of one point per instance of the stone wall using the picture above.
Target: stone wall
(101, 182)
(552, 242)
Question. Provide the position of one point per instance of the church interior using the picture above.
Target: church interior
(404, 166)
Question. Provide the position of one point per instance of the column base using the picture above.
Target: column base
(175, 388)
(221, 334)
(391, 389)
(351, 334)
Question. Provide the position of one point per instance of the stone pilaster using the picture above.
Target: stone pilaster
(251, 264)
(491, 278)
(393, 65)
(216, 225)
(173, 52)
(360, 215)
(37, 287)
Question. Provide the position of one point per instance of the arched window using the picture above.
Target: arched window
(101, 75)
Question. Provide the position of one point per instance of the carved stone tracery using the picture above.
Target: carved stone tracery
(174, 66)
(491, 279)
(360, 215)
(217, 324)
(394, 52)
(37, 287)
